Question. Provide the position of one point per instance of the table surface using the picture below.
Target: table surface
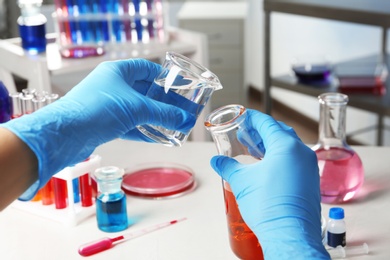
(204, 234)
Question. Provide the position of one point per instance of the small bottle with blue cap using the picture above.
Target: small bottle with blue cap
(336, 228)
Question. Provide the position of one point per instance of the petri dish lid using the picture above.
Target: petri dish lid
(158, 180)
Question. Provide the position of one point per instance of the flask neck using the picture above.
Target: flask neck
(333, 107)
(230, 135)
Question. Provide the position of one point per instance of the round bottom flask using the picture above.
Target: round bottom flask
(341, 170)
(227, 128)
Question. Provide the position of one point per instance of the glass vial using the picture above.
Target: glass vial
(340, 167)
(32, 26)
(228, 130)
(336, 228)
(5, 104)
(111, 211)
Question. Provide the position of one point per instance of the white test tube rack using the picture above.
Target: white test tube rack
(74, 213)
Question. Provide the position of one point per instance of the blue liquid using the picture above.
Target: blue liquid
(5, 104)
(314, 74)
(139, 29)
(76, 190)
(33, 37)
(335, 240)
(111, 212)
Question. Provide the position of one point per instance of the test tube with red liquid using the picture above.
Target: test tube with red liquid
(85, 190)
(60, 193)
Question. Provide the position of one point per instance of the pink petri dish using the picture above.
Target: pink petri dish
(158, 180)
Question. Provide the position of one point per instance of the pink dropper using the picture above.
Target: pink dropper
(106, 243)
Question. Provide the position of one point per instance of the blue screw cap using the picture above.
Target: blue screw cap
(336, 213)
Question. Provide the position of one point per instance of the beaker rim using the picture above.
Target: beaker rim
(333, 98)
(207, 76)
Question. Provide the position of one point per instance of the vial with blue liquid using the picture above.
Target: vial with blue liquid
(111, 210)
(32, 26)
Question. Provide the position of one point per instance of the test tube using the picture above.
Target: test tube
(85, 186)
(26, 103)
(150, 20)
(50, 98)
(38, 101)
(16, 105)
(47, 193)
(28, 91)
(60, 193)
(94, 187)
(159, 20)
(27, 107)
(126, 20)
(76, 190)
(37, 196)
(137, 19)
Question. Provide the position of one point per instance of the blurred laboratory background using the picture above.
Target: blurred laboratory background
(236, 38)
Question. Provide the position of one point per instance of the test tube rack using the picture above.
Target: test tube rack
(137, 21)
(74, 213)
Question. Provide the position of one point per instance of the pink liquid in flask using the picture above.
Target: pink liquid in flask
(341, 174)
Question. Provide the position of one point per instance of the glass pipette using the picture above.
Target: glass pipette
(106, 242)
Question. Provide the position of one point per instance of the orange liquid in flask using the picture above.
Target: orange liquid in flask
(243, 241)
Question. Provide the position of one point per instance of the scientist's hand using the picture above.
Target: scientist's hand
(279, 196)
(107, 104)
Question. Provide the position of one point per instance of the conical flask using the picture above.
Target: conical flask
(227, 128)
(341, 170)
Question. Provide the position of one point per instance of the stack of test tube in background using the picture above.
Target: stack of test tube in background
(85, 27)
(69, 196)
(28, 101)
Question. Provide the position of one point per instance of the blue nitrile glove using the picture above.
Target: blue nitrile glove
(106, 105)
(279, 196)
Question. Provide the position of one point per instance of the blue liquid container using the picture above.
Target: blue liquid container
(5, 104)
(111, 212)
(32, 26)
(111, 209)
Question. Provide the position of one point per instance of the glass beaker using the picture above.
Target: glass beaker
(111, 209)
(182, 83)
(341, 170)
(228, 130)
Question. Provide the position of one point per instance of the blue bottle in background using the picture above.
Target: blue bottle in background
(32, 26)
(5, 104)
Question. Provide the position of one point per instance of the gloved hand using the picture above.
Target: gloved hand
(106, 105)
(279, 196)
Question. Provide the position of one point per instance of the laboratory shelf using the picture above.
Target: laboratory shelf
(368, 102)
(37, 69)
(354, 11)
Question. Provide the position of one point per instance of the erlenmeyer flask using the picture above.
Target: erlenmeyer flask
(340, 167)
(227, 127)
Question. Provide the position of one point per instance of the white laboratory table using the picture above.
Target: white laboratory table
(204, 234)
